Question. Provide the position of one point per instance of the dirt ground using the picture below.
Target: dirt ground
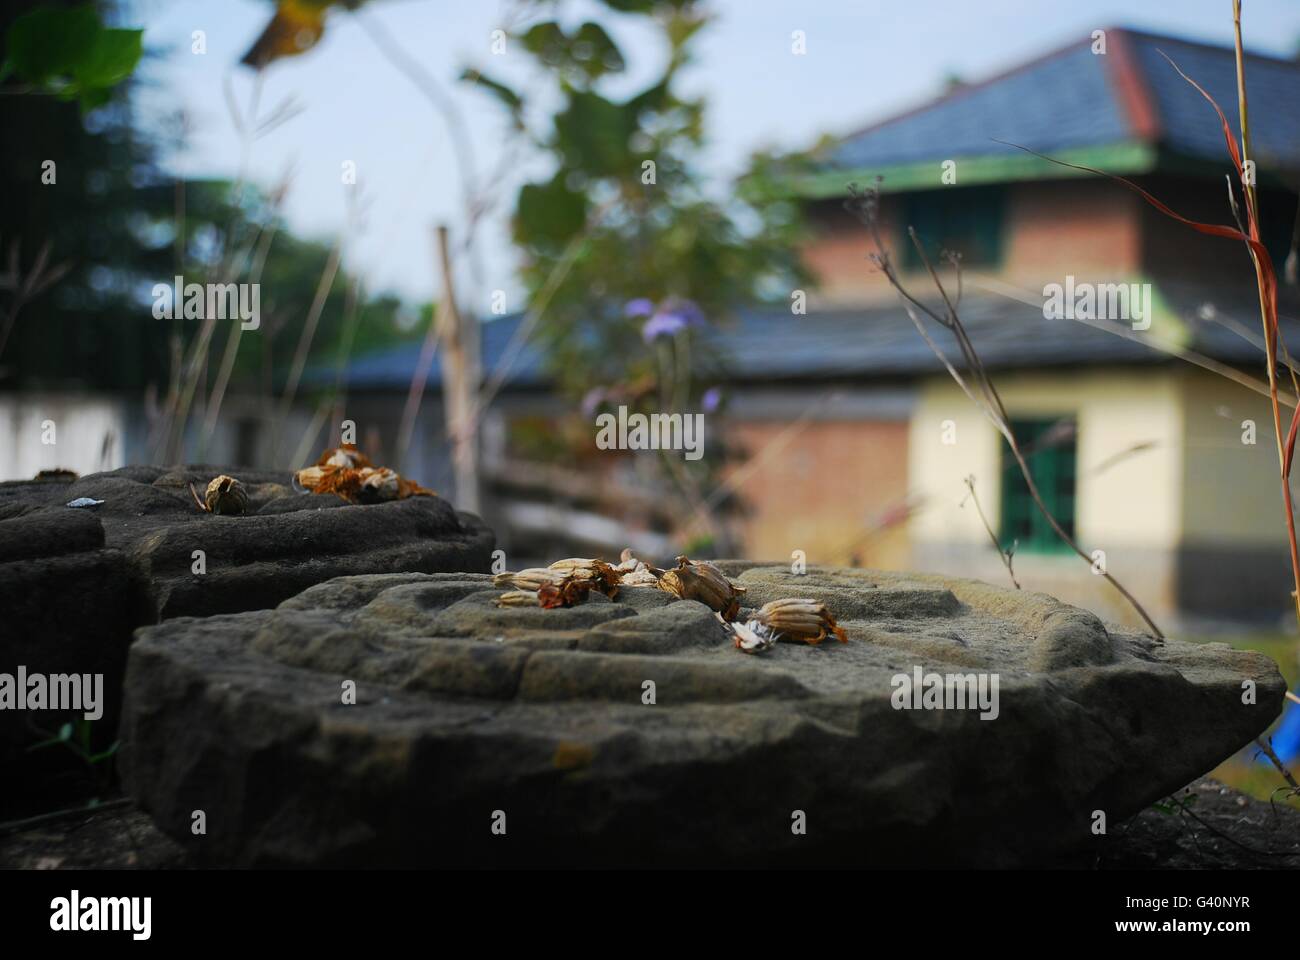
(1207, 826)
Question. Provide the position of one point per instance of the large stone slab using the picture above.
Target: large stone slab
(75, 582)
(468, 716)
(287, 542)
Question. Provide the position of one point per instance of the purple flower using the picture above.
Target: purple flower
(662, 324)
(641, 307)
(712, 399)
(592, 400)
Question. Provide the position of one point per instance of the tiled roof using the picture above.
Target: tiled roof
(1072, 98)
(881, 342)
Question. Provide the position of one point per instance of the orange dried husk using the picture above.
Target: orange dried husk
(569, 592)
(347, 472)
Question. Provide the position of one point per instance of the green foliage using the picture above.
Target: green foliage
(70, 53)
(585, 54)
(631, 164)
(549, 214)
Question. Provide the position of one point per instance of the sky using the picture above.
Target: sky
(865, 60)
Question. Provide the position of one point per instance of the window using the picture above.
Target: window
(966, 221)
(1049, 447)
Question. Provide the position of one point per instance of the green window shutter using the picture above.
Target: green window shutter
(1050, 449)
(967, 221)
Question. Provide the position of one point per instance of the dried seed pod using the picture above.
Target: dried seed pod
(602, 576)
(798, 620)
(533, 578)
(702, 581)
(569, 592)
(224, 495)
(518, 598)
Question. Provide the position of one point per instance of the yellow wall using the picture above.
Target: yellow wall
(1193, 510)
(1136, 500)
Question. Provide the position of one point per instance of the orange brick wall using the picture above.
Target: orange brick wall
(1084, 227)
(824, 492)
(1051, 228)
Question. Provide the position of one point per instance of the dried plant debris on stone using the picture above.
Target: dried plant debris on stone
(601, 575)
(518, 598)
(702, 581)
(569, 592)
(348, 473)
(567, 583)
(532, 579)
(636, 573)
(225, 495)
(791, 619)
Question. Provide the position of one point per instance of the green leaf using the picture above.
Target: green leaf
(49, 42)
(111, 59)
(69, 53)
(593, 133)
(589, 53)
(65, 732)
(91, 97)
(547, 41)
(549, 214)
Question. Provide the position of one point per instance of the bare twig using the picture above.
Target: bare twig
(1006, 555)
(1267, 749)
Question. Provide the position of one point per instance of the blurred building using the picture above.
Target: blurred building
(1142, 448)
(852, 444)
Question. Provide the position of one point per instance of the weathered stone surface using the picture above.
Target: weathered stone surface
(67, 606)
(464, 709)
(287, 542)
(74, 582)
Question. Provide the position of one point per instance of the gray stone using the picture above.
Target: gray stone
(75, 583)
(464, 709)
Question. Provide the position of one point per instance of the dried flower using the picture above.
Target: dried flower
(349, 473)
(702, 581)
(602, 576)
(569, 592)
(796, 620)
